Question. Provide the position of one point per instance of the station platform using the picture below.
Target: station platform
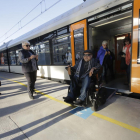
(47, 117)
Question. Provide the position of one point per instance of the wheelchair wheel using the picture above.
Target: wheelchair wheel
(95, 106)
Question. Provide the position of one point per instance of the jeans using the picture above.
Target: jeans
(73, 85)
(31, 78)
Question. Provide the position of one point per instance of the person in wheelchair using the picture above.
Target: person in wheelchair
(83, 70)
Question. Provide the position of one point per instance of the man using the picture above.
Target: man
(29, 66)
(83, 68)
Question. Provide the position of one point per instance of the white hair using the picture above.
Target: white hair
(104, 42)
(25, 42)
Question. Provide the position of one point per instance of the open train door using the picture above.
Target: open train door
(135, 65)
(78, 39)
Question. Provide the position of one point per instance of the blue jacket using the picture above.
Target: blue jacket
(101, 54)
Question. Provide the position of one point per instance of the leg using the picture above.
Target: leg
(28, 76)
(33, 80)
(128, 73)
(73, 84)
(104, 73)
(111, 71)
(85, 85)
(71, 95)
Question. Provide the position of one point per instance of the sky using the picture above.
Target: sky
(12, 11)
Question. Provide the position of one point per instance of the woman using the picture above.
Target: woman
(127, 54)
(29, 66)
(103, 55)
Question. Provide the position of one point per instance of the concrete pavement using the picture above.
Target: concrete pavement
(47, 117)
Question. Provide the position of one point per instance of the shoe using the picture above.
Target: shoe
(78, 102)
(31, 97)
(64, 98)
(68, 99)
(35, 92)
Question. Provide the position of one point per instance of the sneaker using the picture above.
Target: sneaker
(68, 99)
(78, 102)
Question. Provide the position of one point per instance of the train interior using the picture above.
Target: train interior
(113, 29)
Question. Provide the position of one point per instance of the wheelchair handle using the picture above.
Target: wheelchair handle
(69, 70)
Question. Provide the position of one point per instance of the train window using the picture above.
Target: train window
(61, 46)
(3, 58)
(138, 60)
(12, 57)
(43, 52)
(17, 57)
(79, 42)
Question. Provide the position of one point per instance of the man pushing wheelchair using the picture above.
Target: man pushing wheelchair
(83, 70)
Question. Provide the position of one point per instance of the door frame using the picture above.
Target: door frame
(135, 67)
(75, 26)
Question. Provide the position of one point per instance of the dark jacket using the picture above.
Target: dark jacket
(101, 54)
(92, 63)
(26, 64)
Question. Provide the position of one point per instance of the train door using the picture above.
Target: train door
(78, 39)
(135, 65)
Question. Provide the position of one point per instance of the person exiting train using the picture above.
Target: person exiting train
(68, 57)
(127, 54)
(103, 55)
(83, 68)
(29, 66)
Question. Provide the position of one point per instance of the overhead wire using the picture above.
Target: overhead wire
(19, 23)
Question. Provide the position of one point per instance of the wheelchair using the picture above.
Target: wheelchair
(95, 95)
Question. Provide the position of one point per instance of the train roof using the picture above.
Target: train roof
(4, 46)
(84, 10)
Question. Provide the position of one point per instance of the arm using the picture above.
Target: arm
(22, 59)
(95, 65)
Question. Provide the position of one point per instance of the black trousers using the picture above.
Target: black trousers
(31, 78)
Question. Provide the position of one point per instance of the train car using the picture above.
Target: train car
(83, 27)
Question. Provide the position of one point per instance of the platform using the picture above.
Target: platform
(47, 117)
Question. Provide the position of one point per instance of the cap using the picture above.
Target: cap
(87, 51)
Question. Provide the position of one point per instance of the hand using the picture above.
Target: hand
(36, 57)
(69, 65)
(108, 52)
(91, 71)
(105, 53)
(123, 56)
(32, 57)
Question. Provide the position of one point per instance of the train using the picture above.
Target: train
(83, 27)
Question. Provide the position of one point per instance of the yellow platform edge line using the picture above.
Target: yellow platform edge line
(124, 125)
(129, 127)
(46, 95)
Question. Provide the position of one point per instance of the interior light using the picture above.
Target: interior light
(112, 21)
(121, 38)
